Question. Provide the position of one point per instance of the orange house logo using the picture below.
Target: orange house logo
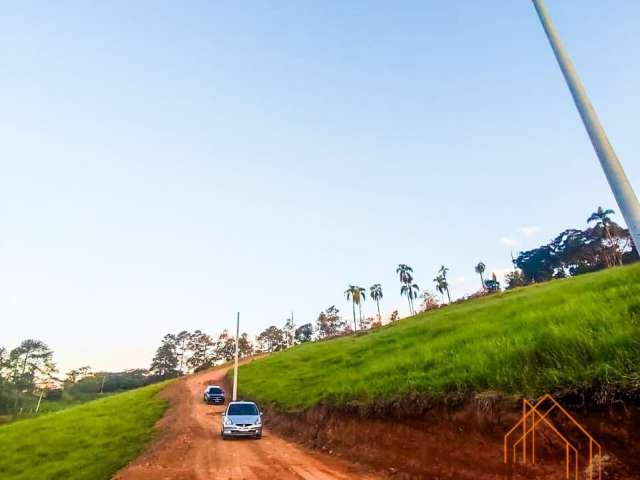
(522, 438)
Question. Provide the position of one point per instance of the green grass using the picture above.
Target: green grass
(578, 333)
(29, 403)
(89, 441)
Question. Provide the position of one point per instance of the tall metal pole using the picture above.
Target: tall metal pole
(235, 367)
(618, 181)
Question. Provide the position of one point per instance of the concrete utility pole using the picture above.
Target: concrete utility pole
(235, 367)
(39, 401)
(620, 185)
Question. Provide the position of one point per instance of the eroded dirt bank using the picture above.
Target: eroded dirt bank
(463, 440)
(415, 438)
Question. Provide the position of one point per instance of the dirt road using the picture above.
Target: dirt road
(189, 446)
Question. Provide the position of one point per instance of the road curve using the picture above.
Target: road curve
(189, 447)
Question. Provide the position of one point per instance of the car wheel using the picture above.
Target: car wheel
(258, 436)
(224, 437)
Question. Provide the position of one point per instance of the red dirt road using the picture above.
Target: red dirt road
(189, 446)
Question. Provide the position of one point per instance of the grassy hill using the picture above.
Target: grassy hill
(90, 441)
(577, 333)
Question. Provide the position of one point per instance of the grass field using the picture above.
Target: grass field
(577, 333)
(90, 441)
(29, 403)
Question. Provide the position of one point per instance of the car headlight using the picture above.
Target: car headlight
(258, 421)
(228, 421)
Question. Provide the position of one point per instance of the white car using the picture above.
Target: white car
(241, 419)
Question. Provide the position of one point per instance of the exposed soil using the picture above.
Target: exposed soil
(414, 438)
(461, 440)
(188, 446)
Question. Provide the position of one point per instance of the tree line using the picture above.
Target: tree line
(29, 378)
(410, 289)
(603, 244)
(330, 323)
(194, 351)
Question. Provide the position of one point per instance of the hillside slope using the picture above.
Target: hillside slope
(90, 441)
(581, 333)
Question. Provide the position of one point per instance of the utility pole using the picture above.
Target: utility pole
(104, 377)
(618, 181)
(293, 331)
(39, 401)
(235, 367)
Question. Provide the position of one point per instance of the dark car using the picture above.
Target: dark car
(214, 395)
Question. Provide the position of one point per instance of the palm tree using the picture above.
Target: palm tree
(356, 295)
(480, 267)
(411, 291)
(442, 285)
(375, 292)
(362, 297)
(443, 273)
(601, 217)
(405, 272)
(406, 279)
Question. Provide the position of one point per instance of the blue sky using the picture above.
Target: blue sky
(166, 164)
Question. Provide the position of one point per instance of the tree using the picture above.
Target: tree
(394, 316)
(411, 292)
(407, 288)
(304, 333)
(441, 285)
(574, 251)
(443, 273)
(429, 301)
(226, 347)
(357, 296)
(366, 323)
(7, 392)
(165, 362)
(515, 279)
(480, 267)
(405, 273)
(601, 219)
(182, 346)
(75, 375)
(537, 265)
(245, 346)
(329, 322)
(272, 339)
(31, 362)
(125, 380)
(203, 351)
(289, 330)
(4, 364)
(375, 292)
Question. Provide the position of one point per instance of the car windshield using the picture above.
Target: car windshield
(215, 390)
(242, 409)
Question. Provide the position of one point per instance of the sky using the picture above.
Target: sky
(167, 164)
